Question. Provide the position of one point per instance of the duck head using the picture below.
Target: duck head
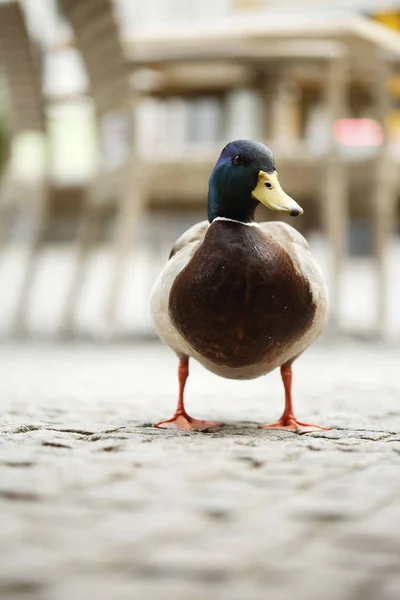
(244, 176)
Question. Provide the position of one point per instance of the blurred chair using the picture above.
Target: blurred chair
(27, 193)
(120, 175)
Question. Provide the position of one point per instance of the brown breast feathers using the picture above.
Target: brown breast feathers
(240, 300)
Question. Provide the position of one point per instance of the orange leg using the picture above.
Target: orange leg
(181, 419)
(288, 421)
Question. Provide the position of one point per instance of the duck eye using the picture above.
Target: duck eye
(268, 185)
(237, 160)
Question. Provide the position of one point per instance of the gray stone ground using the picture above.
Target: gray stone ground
(97, 504)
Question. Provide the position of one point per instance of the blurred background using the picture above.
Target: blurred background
(113, 113)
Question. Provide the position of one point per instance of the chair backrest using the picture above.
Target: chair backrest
(22, 70)
(97, 38)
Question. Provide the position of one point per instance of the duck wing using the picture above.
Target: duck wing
(193, 235)
(284, 234)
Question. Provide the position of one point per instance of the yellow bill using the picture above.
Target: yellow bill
(268, 191)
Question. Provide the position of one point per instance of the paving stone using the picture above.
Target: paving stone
(96, 503)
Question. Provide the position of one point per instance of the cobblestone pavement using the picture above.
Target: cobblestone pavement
(97, 504)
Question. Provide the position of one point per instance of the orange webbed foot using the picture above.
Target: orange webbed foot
(183, 422)
(292, 424)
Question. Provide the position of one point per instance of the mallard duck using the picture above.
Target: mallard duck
(242, 298)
